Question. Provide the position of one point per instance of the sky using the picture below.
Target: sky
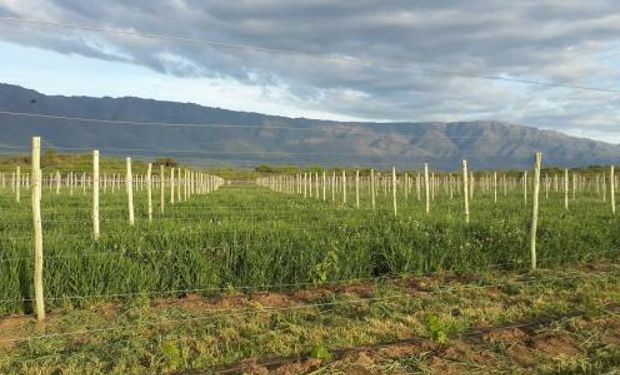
(376, 60)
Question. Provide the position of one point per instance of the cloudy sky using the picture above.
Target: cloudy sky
(364, 59)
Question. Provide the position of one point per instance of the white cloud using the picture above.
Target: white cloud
(574, 42)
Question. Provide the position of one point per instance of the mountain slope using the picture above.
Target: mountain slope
(217, 135)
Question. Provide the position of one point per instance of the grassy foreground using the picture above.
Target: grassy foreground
(548, 322)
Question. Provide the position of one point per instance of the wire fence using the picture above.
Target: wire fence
(387, 278)
(216, 314)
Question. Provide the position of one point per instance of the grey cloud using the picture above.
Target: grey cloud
(547, 40)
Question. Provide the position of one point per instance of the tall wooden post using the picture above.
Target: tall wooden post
(394, 190)
(406, 180)
(149, 192)
(324, 187)
(179, 183)
(38, 228)
(162, 189)
(465, 190)
(58, 181)
(357, 188)
(96, 194)
(525, 188)
(172, 190)
(495, 187)
(427, 189)
(305, 185)
(316, 185)
(185, 185)
(129, 186)
(537, 164)
(372, 188)
(418, 187)
(333, 186)
(344, 186)
(612, 189)
(18, 184)
(566, 189)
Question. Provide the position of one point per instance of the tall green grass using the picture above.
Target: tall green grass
(252, 237)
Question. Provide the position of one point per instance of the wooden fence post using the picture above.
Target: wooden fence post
(96, 194)
(372, 188)
(427, 188)
(58, 181)
(344, 187)
(566, 189)
(162, 189)
(149, 191)
(612, 189)
(525, 188)
(324, 187)
(185, 185)
(495, 187)
(537, 164)
(406, 180)
(433, 181)
(317, 184)
(394, 190)
(333, 186)
(418, 187)
(465, 191)
(129, 183)
(18, 184)
(305, 185)
(357, 188)
(38, 228)
(172, 186)
(179, 183)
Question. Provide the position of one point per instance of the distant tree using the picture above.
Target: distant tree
(166, 162)
(264, 169)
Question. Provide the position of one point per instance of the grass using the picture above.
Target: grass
(253, 237)
(403, 325)
(228, 277)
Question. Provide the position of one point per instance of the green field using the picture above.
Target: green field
(251, 237)
(248, 280)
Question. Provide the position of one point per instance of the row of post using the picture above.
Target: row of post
(313, 185)
(195, 183)
(287, 184)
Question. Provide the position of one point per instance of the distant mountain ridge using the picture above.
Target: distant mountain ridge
(213, 135)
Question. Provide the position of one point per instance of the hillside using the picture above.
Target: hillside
(216, 136)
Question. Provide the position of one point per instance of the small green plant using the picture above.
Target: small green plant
(321, 271)
(170, 353)
(436, 329)
(320, 352)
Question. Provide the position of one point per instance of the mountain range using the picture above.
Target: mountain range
(146, 128)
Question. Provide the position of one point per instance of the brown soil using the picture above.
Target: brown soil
(296, 368)
(406, 350)
(506, 336)
(463, 351)
(556, 345)
(272, 300)
(522, 355)
(13, 327)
